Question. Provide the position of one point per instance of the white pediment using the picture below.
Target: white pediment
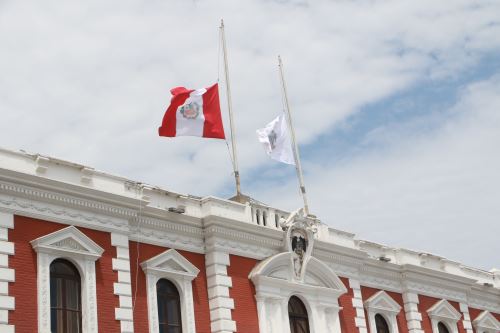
(486, 322)
(68, 241)
(444, 310)
(278, 270)
(170, 263)
(381, 301)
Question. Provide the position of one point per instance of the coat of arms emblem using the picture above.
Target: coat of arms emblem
(190, 110)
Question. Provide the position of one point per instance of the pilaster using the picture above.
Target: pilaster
(7, 303)
(413, 316)
(219, 282)
(122, 288)
(464, 308)
(357, 303)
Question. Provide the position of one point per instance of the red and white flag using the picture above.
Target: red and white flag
(193, 112)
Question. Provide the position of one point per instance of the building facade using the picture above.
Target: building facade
(85, 251)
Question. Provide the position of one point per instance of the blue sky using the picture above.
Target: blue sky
(394, 102)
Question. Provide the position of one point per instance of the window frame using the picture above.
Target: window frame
(381, 303)
(442, 311)
(172, 266)
(74, 246)
(298, 316)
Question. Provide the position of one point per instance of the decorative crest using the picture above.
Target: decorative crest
(299, 240)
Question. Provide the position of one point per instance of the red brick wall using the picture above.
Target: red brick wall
(426, 302)
(367, 292)
(24, 317)
(348, 313)
(243, 294)
(200, 295)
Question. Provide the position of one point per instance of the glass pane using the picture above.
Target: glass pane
(56, 321)
(56, 293)
(161, 311)
(72, 295)
(73, 324)
(174, 330)
(163, 329)
(173, 311)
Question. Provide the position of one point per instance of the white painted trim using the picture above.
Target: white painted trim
(6, 274)
(486, 323)
(445, 313)
(121, 264)
(383, 304)
(173, 266)
(70, 244)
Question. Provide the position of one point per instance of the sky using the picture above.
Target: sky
(396, 105)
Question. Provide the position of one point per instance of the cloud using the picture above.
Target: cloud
(431, 190)
(89, 81)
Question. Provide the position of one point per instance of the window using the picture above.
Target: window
(442, 328)
(169, 307)
(381, 324)
(169, 291)
(70, 282)
(297, 314)
(264, 218)
(382, 311)
(65, 298)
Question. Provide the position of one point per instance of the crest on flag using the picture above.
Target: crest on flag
(190, 110)
(276, 140)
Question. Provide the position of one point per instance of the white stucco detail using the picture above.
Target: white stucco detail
(121, 264)
(70, 244)
(486, 323)
(445, 313)
(171, 265)
(413, 316)
(275, 283)
(357, 303)
(6, 274)
(383, 304)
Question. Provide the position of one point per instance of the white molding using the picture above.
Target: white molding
(383, 304)
(412, 314)
(218, 284)
(357, 303)
(445, 313)
(121, 264)
(173, 266)
(319, 290)
(71, 244)
(486, 323)
(6, 274)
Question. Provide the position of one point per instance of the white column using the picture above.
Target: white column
(7, 303)
(464, 308)
(218, 292)
(261, 310)
(122, 288)
(357, 303)
(413, 317)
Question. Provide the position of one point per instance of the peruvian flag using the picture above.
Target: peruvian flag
(193, 112)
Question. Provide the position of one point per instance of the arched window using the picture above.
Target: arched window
(65, 300)
(442, 328)
(257, 215)
(264, 218)
(169, 307)
(276, 220)
(297, 313)
(381, 324)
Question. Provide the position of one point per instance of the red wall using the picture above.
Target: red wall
(24, 317)
(426, 302)
(200, 294)
(367, 292)
(348, 313)
(243, 294)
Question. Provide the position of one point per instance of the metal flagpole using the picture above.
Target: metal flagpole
(231, 121)
(298, 167)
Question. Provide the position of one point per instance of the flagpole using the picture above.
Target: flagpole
(296, 155)
(231, 121)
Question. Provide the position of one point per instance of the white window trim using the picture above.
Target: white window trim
(444, 312)
(275, 283)
(486, 323)
(383, 304)
(70, 244)
(171, 265)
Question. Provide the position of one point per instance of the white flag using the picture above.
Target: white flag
(276, 140)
